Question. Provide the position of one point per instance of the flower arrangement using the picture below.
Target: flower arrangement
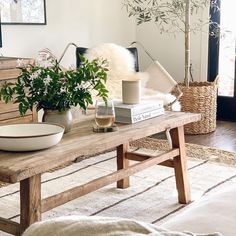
(51, 87)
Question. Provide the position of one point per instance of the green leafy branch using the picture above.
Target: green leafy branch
(55, 89)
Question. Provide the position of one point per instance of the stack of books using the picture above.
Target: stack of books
(130, 114)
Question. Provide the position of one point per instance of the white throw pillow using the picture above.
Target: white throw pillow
(120, 65)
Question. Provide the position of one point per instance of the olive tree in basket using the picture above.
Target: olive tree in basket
(173, 16)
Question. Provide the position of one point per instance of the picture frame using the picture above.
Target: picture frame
(23, 12)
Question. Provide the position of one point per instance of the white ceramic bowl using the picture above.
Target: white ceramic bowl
(29, 137)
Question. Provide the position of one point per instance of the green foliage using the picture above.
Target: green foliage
(169, 15)
(174, 16)
(55, 89)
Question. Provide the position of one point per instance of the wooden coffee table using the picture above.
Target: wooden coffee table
(27, 167)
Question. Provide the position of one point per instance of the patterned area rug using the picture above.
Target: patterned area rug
(193, 150)
(151, 197)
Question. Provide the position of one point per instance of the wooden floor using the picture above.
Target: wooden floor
(224, 137)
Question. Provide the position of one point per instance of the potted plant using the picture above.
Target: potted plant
(174, 16)
(55, 90)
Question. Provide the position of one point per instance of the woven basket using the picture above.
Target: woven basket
(200, 97)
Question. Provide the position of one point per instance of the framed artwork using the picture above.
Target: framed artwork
(23, 12)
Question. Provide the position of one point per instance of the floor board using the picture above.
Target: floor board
(224, 137)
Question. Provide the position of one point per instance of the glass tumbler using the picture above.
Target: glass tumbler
(104, 113)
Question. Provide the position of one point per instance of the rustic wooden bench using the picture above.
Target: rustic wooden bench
(27, 167)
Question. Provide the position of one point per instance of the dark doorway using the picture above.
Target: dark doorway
(222, 60)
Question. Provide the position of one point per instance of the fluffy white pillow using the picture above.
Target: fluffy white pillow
(120, 65)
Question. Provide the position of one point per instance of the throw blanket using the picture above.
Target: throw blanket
(100, 226)
(121, 66)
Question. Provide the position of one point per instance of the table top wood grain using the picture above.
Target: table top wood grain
(81, 141)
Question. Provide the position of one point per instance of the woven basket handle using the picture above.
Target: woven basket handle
(180, 94)
(216, 81)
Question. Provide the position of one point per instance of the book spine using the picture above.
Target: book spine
(147, 108)
(147, 115)
(140, 117)
(124, 111)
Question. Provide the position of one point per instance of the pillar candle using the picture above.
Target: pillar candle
(131, 91)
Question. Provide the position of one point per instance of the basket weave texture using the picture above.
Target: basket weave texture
(200, 97)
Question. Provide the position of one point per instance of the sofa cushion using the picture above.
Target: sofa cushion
(214, 213)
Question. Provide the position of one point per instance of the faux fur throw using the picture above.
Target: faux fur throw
(100, 226)
(121, 66)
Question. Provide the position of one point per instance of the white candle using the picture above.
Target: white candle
(131, 91)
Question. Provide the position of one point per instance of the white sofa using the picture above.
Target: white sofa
(216, 213)
(208, 216)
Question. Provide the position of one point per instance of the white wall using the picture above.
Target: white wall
(84, 22)
(94, 21)
(169, 50)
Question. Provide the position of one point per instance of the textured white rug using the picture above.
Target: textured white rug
(151, 198)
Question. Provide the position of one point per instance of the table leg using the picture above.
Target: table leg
(122, 163)
(30, 201)
(180, 165)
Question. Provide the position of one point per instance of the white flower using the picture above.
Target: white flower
(78, 86)
(47, 80)
(35, 74)
(45, 92)
(62, 90)
(20, 63)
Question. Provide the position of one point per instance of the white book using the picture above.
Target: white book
(127, 110)
(140, 117)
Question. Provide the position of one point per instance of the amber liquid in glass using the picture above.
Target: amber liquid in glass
(105, 121)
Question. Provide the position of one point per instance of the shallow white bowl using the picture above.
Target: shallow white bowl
(29, 137)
